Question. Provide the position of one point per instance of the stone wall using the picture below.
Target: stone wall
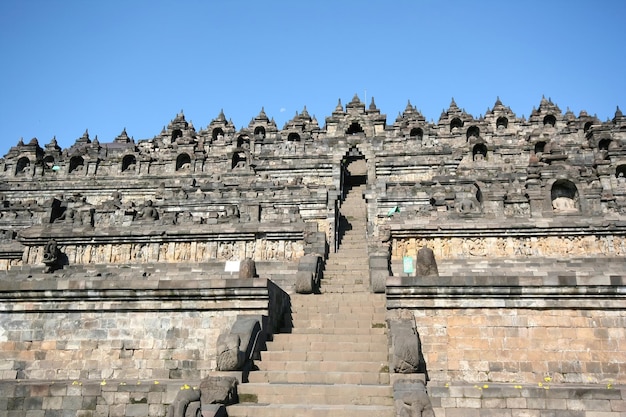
(157, 322)
(523, 346)
(111, 344)
(112, 398)
(544, 399)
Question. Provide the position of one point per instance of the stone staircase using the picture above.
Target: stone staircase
(334, 360)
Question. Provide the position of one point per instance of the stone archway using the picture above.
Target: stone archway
(353, 169)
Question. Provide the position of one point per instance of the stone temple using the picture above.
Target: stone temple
(468, 267)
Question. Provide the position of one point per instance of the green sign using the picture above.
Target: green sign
(407, 264)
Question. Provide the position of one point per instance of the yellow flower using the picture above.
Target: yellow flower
(103, 382)
(547, 379)
(485, 386)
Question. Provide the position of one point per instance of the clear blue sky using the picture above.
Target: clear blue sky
(72, 65)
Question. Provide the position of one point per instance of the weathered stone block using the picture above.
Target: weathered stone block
(406, 353)
(218, 390)
(247, 269)
(304, 282)
(378, 280)
(411, 399)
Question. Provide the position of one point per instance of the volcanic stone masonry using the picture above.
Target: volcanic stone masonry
(500, 239)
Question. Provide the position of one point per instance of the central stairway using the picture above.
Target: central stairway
(334, 361)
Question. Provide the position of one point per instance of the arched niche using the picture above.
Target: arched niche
(416, 133)
(620, 172)
(129, 162)
(77, 163)
(48, 161)
(217, 133)
(502, 123)
(587, 126)
(243, 141)
(183, 162)
(354, 168)
(259, 132)
(239, 160)
(604, 144)
(540, 147)
(354, 128)
(176, 133)
(22, 165)
(456, 123)
(564, 196)
(479, 152)
(549, 120)
(293, 137)
(472, 132)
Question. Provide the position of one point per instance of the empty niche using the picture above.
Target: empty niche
(176, 133)
(354, 128)
(416, 133)
(604, 144)
(539, 148)
(293, 137)
(549, 120)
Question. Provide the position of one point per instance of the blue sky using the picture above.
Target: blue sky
(72, 65)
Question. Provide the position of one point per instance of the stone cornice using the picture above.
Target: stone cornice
(500, 292)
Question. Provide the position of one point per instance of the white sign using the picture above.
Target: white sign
(232, 266)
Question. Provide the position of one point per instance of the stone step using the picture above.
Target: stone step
(323, 366)
(351, 278)
(340, 338)
(331, 394)
(364, 315)
(333, 265)
(336, 300)
(340, 330)
(368, 310)
(303, 355)
(348, 255)
(309, 410)
(346, 324)
(310, 377)
(341, 289)
(325, 346)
